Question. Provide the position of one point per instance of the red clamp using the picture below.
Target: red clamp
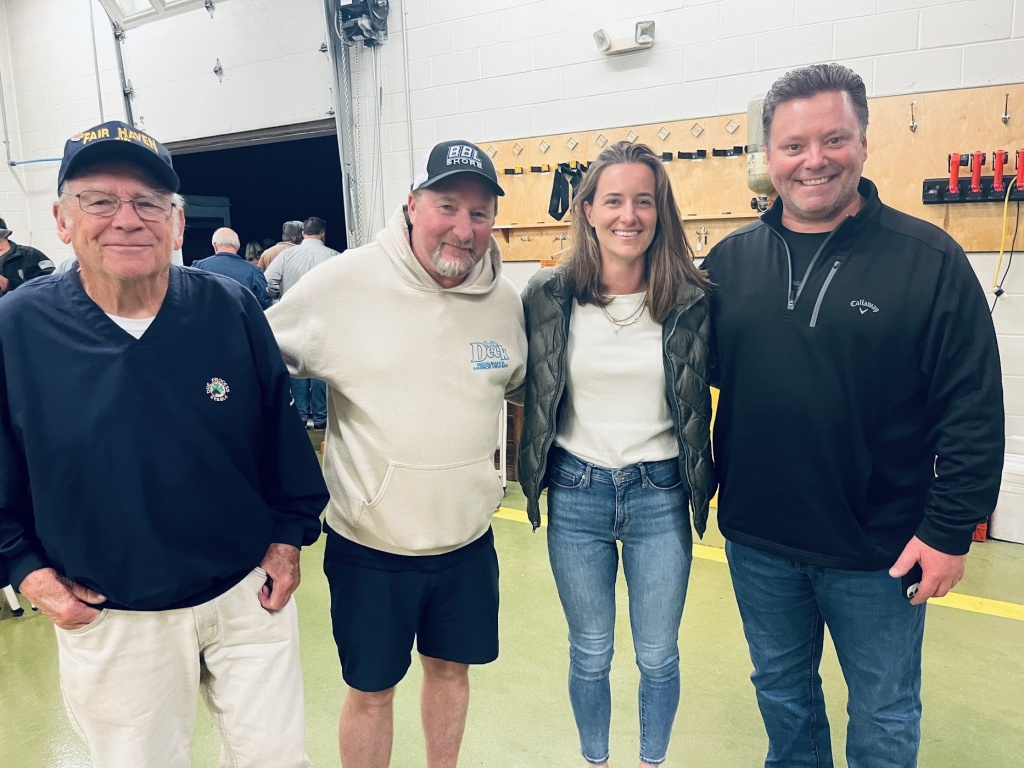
(976, 162)
(955, 160)
(998, 164)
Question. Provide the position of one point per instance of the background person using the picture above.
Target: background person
(310, 393)
(253, 249)
(226, 261)
(291, 234)
(19, 263)
(617, 427)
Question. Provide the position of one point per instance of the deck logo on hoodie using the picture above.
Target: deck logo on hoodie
(487, 354)
(218, 390)
(864, 306)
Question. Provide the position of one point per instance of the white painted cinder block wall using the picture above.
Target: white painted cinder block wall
(487, 70)
(503, 69)
(481, 70)
(274, 74)
(13, 203)
(48, 62)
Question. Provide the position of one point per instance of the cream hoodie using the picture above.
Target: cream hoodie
(416, 375)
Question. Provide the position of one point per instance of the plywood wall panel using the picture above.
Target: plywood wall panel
(713, 193)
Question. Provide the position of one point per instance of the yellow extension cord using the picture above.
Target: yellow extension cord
(1002, 238)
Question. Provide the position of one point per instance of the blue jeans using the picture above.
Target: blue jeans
(645, 507)
(310, 396)
(785, 607)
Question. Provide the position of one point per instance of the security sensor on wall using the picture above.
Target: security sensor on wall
(643, 37)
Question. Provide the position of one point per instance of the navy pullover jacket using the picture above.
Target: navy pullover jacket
(155, 471)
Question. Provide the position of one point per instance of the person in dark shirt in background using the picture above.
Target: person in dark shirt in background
(226, 261)
(859, 432)
(154, 508)
(19, 263)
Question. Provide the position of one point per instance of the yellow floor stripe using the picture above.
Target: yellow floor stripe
(970, 603)
(983, 605)
(709, 553)
(518, 516)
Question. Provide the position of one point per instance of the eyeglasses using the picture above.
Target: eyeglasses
(106, 205)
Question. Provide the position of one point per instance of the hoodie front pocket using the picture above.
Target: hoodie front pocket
(433, 508)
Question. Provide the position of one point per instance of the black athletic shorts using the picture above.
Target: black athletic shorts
(381, 603)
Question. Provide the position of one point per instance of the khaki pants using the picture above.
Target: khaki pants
(130, 681)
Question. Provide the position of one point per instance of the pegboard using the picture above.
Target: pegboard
(712, 193)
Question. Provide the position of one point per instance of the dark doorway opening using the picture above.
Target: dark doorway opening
(266, 184)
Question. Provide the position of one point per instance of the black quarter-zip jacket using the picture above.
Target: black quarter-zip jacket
(863, 410)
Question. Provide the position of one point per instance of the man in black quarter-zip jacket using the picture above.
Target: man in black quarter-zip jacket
(859, 431)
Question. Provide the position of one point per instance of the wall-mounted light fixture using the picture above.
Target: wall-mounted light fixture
(643, 37)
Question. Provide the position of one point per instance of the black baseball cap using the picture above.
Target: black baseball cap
(114, 141)
(4, 231)
(451, 157)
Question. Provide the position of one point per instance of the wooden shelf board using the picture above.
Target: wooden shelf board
(538, 225)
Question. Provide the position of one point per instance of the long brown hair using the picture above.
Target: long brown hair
(668, 263)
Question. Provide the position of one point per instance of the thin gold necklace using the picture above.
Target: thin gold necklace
(630, 319)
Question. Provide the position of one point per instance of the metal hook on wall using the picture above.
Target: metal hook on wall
(913, 122)
(702, 238)
(1005, 117)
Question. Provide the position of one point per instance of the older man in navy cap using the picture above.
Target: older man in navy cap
(154, 509)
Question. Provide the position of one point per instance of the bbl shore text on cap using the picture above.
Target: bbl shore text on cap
(451, 157)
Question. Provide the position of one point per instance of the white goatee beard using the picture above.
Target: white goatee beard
(453, 267)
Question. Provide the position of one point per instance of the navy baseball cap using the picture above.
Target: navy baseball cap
(451, 157)
(117, 141)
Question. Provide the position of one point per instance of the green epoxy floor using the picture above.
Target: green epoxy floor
(520, 716)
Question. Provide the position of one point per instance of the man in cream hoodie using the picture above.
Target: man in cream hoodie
(419, 339)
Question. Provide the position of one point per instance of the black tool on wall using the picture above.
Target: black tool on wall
(566, 176)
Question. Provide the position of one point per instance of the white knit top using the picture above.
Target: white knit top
(617, 412)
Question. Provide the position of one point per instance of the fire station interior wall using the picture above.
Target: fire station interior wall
(713, 196)
(483, 70)
(493, 70)
(273, 70)
(273, 74)
(52, 88)
(506, 71)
